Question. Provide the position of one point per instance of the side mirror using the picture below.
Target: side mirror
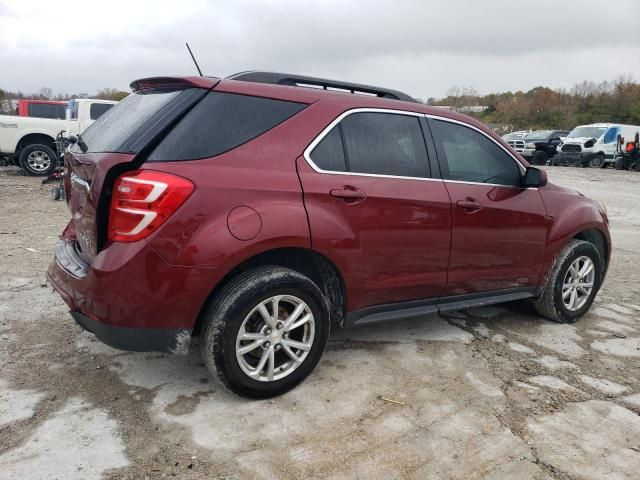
(72, 139)
(534, 178)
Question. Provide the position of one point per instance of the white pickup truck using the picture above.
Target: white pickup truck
(30, 142)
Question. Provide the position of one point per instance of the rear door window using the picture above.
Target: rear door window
(329, 154)
(221, 122)
(385, 144)
(376, 144)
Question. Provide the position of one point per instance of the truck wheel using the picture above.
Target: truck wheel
(38, 159)
(265, 332)
(620, 164)
(539, 158)
(597, 161)
(572, 284)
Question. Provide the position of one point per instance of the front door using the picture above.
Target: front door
(499, 229)
(374, 209)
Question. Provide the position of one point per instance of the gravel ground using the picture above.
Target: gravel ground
(493, 392)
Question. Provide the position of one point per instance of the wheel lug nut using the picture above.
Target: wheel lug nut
(268, 331)
(267, 344)
(279, 325)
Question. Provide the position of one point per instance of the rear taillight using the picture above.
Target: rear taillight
(142, 200)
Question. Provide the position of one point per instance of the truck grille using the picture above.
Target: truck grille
(571, 148)
(516, 144)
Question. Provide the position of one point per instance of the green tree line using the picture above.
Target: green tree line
(616, 101)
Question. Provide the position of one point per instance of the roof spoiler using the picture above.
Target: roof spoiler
(173, 82)
(333, 85)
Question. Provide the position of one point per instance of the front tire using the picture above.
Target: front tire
(573, 283)
(265, 332)
(540, 158)
(38, 159)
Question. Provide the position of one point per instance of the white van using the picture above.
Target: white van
(592, 145)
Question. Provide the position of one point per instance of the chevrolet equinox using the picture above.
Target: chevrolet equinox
(260, 210)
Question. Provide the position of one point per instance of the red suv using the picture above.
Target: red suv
(262, 209)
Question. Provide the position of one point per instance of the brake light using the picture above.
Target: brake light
(142, 200)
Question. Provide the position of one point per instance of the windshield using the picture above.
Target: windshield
(539, 134)
(586, 132)
(118, 124)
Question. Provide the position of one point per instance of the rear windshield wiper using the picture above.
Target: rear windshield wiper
(81, 144)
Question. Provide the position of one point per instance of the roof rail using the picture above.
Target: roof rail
(314, 82)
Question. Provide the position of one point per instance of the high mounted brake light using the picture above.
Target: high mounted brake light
(173, 82)
(142, 200)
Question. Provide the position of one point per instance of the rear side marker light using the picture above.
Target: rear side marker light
(143, 200)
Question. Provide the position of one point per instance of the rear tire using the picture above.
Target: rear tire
(540, 158)
(242, 317)
(555, 304)
(38, 159)
(620, 164)
(597, 161)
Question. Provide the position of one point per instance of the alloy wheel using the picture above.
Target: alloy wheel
(39, 160)
(578, 283)
(275, 338)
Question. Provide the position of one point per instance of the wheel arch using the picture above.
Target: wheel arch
(599, 240)
(320, 269)
(35, 138)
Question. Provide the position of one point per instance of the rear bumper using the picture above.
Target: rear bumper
(136, 339)
(130, 298)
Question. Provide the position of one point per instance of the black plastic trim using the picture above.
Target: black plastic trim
(276, 78)
(136, 339)
(418, 308)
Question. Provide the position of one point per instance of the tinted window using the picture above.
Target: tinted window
(472, 157)
(46, 110)
(385, 144)
(329, 154)
(221, 122)
(97, 109)
(611, 135)
(118, 124)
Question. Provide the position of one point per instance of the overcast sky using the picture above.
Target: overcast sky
(421, 47)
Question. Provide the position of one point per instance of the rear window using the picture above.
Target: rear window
(221, 122)
(112, 130)
(47, 110)
(97, 109)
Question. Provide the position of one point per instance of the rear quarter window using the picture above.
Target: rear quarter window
(221, 122)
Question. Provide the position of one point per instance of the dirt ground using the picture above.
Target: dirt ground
(494, 393)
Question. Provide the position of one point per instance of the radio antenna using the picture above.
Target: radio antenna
(194, 59)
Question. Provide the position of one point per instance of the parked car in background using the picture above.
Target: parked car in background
(42, 108)
(259, 214)
(516, 139)
(30, 142)
(592, 145)
(540, 145)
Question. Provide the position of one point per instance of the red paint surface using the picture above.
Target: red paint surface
(407, 240)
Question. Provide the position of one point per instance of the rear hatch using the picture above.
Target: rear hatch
(117, 142)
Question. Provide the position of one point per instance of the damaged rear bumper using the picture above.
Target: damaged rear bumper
(130, 298)
(136, 339)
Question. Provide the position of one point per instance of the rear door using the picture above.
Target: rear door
(499, 229)
(374, 208)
